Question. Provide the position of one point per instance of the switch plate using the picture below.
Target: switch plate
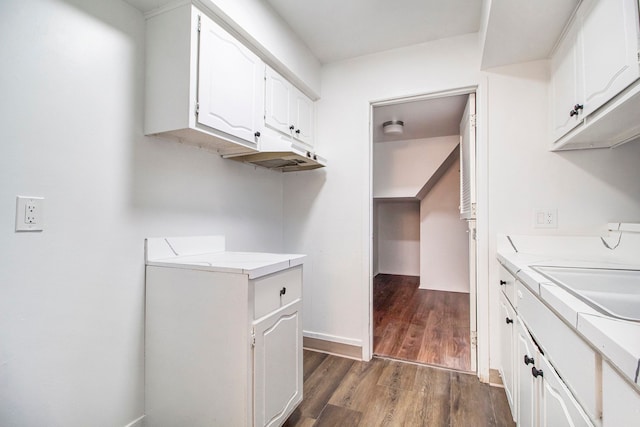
(29, 213)
(545, 218)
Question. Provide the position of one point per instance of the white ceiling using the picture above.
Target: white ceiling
(339, 29)
(524, 30)
(429, 118)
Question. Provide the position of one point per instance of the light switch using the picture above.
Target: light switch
(29, 213)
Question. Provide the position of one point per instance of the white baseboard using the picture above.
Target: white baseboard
(138, 422)
(333, 338)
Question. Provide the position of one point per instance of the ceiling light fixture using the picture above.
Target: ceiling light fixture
(393, 127)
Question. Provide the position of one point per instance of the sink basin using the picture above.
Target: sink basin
(610, 291)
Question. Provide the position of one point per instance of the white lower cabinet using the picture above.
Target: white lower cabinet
(507, 334)
(222, 349)
(538, 396)
(620, 400)
(525, 355)
(543, 398)
(277, 365)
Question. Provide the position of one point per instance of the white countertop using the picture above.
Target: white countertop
(617, 340)
(253, 264)
(208, 253)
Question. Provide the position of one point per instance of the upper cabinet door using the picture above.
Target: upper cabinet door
(277, 102)
(610, 50)
(566, 84)
(230, 84)
(302, 117)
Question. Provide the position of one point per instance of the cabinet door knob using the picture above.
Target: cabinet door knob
(257, 134)
(503, 282)
(528, 360)
(576, 110)
(283, 291)
(308, 154)
(508, 320)
(292, 127)
(298, 131)
(537, 372)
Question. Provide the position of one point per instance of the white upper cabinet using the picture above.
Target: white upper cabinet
(230, 85)
(595, 91)
(203, 86)
(565, 84)
(278, 102)
(302, 109)
(288, 110)
(610, 50)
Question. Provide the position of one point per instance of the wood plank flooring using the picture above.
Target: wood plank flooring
(420, 325)
(384, 392)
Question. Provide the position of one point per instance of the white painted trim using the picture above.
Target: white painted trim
(482, 230)
(333, 338)
(136, 423)
(420, 97)
(482, 222)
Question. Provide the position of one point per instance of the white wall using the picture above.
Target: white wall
(588, 187)
(72, 296)
(401, 168)
(444, 241)
(398, 238)
(327, 212)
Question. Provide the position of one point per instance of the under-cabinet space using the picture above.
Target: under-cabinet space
(203, 86)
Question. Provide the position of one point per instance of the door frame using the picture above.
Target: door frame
(481, 249)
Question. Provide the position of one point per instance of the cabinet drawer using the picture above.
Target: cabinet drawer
(276, 290)
(508, 285)
(576, 362)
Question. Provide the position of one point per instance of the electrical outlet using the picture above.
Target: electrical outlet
(545, 218)
(29, 213)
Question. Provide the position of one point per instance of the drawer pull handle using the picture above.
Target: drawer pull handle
(503, 282)
(283, 291)
(537, 372)
(528, 360)
(508, 320)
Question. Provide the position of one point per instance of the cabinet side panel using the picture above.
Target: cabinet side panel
(168, 70)
(196, 348)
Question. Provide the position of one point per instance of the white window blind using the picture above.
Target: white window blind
(468, 160)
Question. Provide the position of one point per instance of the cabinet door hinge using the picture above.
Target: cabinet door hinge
(473, 120)
(253, 337)
(197, 108)
(474, 234)
(199, 22)
(474, 338)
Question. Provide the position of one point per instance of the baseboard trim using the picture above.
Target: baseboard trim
(136, 423)
(332, 347)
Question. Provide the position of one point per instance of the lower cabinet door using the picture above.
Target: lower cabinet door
(507, 324)
(526, 357)
(278, 366)
(558, 407)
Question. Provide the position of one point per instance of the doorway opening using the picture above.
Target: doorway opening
(423, 230)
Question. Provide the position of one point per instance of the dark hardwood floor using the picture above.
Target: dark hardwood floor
(420, 325)
(384, 392)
